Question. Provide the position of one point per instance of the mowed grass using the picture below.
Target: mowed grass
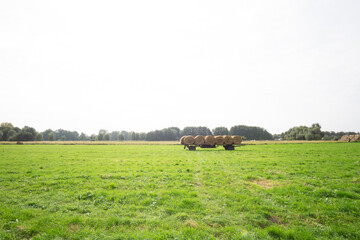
(290, 191)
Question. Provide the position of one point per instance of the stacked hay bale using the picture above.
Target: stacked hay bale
(350, 138)
(344, 138)
(227, 140)
(236, 140)
(189, 140)
(199, 140)
(219, 140)
(210, 140)
(356, 138)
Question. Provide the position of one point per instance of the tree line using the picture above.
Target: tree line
(10, 133)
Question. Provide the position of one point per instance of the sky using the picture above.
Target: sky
(146, 65)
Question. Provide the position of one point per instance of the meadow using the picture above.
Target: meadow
(268, 191)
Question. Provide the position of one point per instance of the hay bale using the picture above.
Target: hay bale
(198, 140)
(182, 140)
(188, 140)
(219, 140)
(227, 140)
(210, 140)
(344, 138)
(236, 140)
(356, 138)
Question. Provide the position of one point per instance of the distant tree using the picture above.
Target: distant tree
(166, 134)
(93, 137)
(7, 130)
(133, 136)
(142, 136)
(196, 131)
(137, 136)
(121, 137)
(82, 137)
(100, 137)
(52, 136)
(309, 136)
(25, 134)
(316, 131)
(39, 137)
(63, 138)
(156, 135)
(220, 131)
(107, 137)
(176, 131)
(46, 134)
(250, 132)
(114, 135)
(126, 135)
(169, 134)
(103, 132)
(1, 134)
(69, 135)
(304, 133)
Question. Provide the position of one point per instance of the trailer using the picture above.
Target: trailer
(226, 146)
(228, 142)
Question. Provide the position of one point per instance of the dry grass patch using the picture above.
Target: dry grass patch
(191, 223)
(266, 183)
(74, 227)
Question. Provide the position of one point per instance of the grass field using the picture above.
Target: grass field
(286, 191)
(145, 142)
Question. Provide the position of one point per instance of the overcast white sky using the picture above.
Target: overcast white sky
(146, 65)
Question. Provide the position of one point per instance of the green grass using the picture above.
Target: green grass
(290, 191)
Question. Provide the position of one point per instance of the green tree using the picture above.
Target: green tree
(1, 134)
(100, 137)
(46, 134)
(195, 131)
(121, 137)
(39, 137)
(52, 136)
(142, 136)
(114, 135)
(107, 137)
(250, 132)
(82, 136)
(133, 136)
(93, 137)
(304, 133)
(63, 138)
(220, 131)
(309, 136)
(7, 130)
(316, 131)
(25, 134)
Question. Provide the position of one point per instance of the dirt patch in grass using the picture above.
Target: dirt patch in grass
(266, 183)
(74, 227)
(276, 220)
(20, 228)
(191, 223)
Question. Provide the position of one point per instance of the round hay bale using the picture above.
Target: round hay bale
(219, 140)
(210, 140)
(227, 140)
(182, 140)
(236, 140)
(198, 140)
(188, 140)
